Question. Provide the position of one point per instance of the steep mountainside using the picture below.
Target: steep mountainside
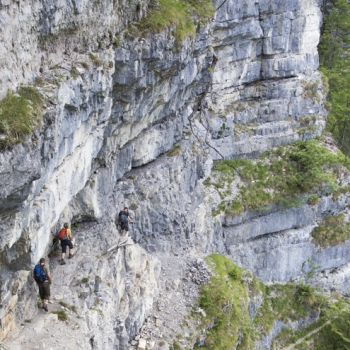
(135, 117)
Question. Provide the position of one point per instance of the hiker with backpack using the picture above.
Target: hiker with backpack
(123, 220)
(42, 277)
(65, 236)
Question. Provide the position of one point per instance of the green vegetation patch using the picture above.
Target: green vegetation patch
(332, 231)
(340, 191)
(20, 113)
(62, 315)
(225, 302)
(177, 14)
(68, 306)
(175, 151)
(286, 302)
(330, 332)
(311, 91)
(280, 176)
(177, 345)
(96, 61)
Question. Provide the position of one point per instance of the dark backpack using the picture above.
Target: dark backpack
(40, 274)
(123, 218)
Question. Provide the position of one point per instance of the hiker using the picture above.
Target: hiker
(65, 235)
(124, 219)
(42, 277)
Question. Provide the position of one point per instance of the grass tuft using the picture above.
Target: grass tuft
(96, 61)
(282, 176)
(175, 151)
(179, 15)
(332, 231)
(62, 315)
(69, 307)
(19, 115)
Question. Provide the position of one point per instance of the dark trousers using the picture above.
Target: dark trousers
(44, 290)
(65, 243)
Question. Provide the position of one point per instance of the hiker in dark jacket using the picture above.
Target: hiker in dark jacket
(42, 277)
(124, 219)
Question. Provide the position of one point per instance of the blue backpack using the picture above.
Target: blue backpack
(40, 274)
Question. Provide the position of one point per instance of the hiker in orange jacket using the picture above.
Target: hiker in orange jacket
(65, 235)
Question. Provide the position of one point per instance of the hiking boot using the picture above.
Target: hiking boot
(70, 256)
(63, 262)
(45, 308)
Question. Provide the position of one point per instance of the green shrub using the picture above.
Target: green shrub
(62, 316)
(340, 191)
(331, 331)
(311, 90)
(204, 300)
(305, 294)
(69, 307)
(313, 199)
(225, 301)
(19, 115)
(177, 345)
(97, 62)
(280, 176)
(178, 14)
(235, 273)
(85, 65)
(332, 231)
(74, 72)
(286, 302)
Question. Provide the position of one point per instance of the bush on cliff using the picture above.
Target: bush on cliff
(333, 230)
(330, 332)
(280, 176)
(225, 300)
(178, 15)
(19, 115)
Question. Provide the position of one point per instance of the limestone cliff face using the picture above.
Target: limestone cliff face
(111, 116)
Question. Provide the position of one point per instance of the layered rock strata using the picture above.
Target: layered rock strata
(245, 83)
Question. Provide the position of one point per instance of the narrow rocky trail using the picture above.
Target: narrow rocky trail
(292, 346)
(45, 330)
(89, 304)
